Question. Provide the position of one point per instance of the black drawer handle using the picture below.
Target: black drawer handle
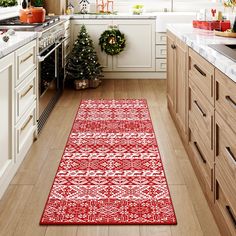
(231, 215)
(173, 46)
(200, 153)
(199, 108)
(229, 99)
(230, 153)
(199, 70)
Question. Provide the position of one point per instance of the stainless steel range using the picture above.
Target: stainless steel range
(51, 35)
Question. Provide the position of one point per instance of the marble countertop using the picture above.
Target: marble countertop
(199, 40)
(114, 16)
(16, 41)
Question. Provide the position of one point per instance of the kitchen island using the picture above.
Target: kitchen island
(201, 97)
(199, 39)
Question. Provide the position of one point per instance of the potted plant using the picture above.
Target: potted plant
(8, 3)
(138, 9)
(38, 3)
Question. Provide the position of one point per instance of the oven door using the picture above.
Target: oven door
(51, 77)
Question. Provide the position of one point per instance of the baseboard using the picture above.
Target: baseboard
(134, 75)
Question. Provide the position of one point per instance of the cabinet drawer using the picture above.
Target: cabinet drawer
(161, 38)
(161, 64)
(201, 73)
(67, 33)
(67, 25)
(226, 202)
(201, 160)
(161, 51)
(226, 98)
(25, 61)
(25, 95)
(226, 151)
(201, 119)
(24, 132)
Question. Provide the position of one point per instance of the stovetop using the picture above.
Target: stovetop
(16, 24)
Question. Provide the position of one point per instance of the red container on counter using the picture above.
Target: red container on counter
(224, 25)
(207, 25)
(32, 15)
(212, 25)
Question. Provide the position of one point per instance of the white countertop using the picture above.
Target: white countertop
(15, 41)
(162, 18)
(114, 16)
(199, 40)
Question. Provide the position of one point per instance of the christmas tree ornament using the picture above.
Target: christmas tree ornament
(82, 68)
(112, 41)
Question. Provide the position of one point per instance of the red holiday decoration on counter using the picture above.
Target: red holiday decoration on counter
(212, 25)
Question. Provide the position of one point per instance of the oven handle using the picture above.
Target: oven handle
(42, 58)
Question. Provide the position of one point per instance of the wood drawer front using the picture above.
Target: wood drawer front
(25, 95)
(226, 203)
(24, 131)
(161, 38)
(161, 65)
(161, 51)
(201, 119)
(226, 150)
(25, 61)
(201, 73)
(226, 98)
(200, 158)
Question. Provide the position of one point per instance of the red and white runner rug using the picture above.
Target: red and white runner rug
(111, 170)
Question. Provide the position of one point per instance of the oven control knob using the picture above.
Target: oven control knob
(44, 43)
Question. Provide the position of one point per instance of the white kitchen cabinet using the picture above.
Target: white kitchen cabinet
(7, 77)
(139, 53)
(18, 86)
(95, 28)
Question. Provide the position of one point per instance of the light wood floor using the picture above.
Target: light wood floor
(23, 203)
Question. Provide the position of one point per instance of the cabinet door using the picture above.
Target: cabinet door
(181, 84)
(6, 87)
(95, 28)
(139, 53)
(171, 71)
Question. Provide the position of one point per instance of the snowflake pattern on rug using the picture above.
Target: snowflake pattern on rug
(111, 170)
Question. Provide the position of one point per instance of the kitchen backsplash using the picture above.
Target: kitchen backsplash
(156, 5)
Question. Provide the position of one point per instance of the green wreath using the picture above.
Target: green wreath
(112, 41)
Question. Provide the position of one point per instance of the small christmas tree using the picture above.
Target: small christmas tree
(83, 67)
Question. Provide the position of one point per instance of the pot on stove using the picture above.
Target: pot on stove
(32, 15)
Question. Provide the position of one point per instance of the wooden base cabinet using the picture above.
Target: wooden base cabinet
(177, 59)
(225, 158)
(210, 99)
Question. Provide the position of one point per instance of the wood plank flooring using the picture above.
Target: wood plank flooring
(22, 205)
